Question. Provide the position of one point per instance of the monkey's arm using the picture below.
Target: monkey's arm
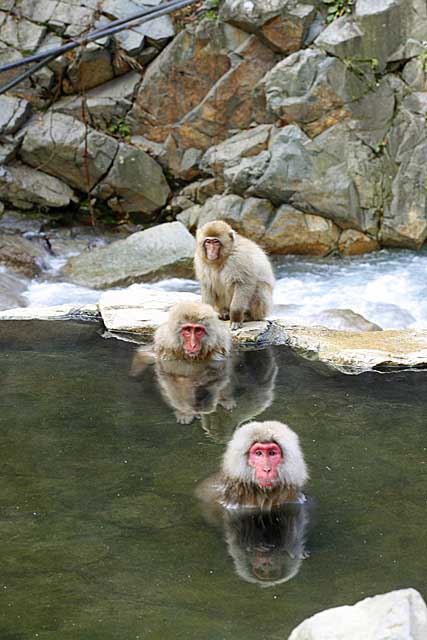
(240, 303)
(141, 360)
(207, 295)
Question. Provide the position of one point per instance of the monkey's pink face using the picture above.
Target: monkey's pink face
(212, 248)
(192, 335)
(265, 458)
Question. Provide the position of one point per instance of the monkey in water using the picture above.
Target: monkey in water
(263, 467)
(235, 275)
(190, 352)
(192, 332)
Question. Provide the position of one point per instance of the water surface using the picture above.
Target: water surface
(103, 537)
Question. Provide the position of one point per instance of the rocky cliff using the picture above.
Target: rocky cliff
(302, 123)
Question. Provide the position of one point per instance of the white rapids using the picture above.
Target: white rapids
(388, 288)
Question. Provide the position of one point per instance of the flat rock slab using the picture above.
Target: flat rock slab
(58, 312)
(138, 312)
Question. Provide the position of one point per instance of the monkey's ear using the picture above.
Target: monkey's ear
(232, 235)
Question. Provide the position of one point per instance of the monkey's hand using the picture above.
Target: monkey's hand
(229, 404)
(184, 418)
(235, 325)
(224, 314)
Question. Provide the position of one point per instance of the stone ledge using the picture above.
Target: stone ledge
(135, 314)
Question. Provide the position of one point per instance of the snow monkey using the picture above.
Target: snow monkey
(192, 332)
(263, 467)
(235, 275)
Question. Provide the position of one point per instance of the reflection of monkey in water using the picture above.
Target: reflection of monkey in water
(267, 547)
(193, 389)
(222, 394)
(251, 387)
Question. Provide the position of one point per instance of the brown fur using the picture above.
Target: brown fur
(239, 284)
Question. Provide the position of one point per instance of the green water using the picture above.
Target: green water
(102, 536)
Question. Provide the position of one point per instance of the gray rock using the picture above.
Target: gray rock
(22, 34)
(13, 113)
(414, 74)
(282, 24)
(405, 215)
(135, 182)
(105, 104)
(398, 615)
(92, 66)
(309, 85)
(293, 232)
(248, 217)
(334, 176)
(146, 255)
(380, 31)
(25, 187)
(57, 142)
(21, 255)
(71, 19)
(11, 288)
(133, 40)
(230, 152)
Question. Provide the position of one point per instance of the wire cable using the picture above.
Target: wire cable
(44, 57)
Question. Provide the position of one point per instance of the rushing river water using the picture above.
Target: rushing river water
(387, 287)
(103, 537)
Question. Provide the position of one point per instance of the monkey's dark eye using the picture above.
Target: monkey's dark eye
(272, 452)
(258, 452)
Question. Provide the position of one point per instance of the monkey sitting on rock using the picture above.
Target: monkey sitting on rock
(263, 467)
(235, 275)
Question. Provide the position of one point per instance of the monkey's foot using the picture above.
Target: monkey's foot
(224, 315)
(235, 325)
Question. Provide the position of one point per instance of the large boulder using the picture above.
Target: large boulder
(335, 176)
(65, 148)
(379, 32)
(25, 188)
(106, 105)
(405, 216)
(198, 90)
(135, 182)
(147, 255)
(21, 255)
(398, 615)
(282, 231)
(310, 87)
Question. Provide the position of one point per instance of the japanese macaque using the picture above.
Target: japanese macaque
(263, 467)
(190, 353)
(235, 275)
(192, 332)
(267, 547)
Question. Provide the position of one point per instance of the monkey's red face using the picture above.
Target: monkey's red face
(192, 335)
(265, 457)
(212, 248)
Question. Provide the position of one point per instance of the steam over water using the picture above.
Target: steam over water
(388, 288)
